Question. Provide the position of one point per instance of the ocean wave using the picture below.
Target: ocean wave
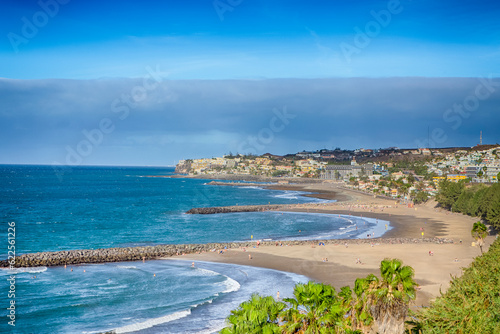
(118, 287)
(206, 272)
(251, 187)
(289, 194)
(126, 267)
(31, 270)
(231, 285)
(294, 194)
(152, 322)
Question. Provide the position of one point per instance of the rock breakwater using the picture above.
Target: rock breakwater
(74, 257)
(237, 208)
(239, 184)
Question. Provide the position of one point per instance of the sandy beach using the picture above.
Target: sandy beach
(432, 273)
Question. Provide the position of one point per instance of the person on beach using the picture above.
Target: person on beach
(192, 265)
(249, 256)
(278, 295)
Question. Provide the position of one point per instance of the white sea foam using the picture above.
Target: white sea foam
(251, 187)
(152, 322)
(126, 267)
(378, 227)
(215, 327)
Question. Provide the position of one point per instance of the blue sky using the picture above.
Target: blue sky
(255, 39)
(214, 75)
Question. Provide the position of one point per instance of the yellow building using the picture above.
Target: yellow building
(456, 177)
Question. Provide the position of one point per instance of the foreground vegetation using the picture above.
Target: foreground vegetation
(471, 304)
(379, 305)
(477, 200)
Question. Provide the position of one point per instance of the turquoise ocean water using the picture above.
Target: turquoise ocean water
(99, 207)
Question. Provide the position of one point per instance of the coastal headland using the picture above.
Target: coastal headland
(435, 242)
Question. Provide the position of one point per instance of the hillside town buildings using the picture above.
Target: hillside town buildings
(382, 178)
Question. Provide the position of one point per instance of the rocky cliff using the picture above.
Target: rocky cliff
(183, 168)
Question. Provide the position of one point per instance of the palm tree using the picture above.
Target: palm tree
(258, 315)
(392, 296)
(360, 313)
(379, 305)
(315, 308)
(342, 310)
(479, 232)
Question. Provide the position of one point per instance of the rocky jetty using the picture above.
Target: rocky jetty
(239, 184)
(107, 255)
(74, 257)
(236, 208)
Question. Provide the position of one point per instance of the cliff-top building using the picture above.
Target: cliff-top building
(340, 172)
